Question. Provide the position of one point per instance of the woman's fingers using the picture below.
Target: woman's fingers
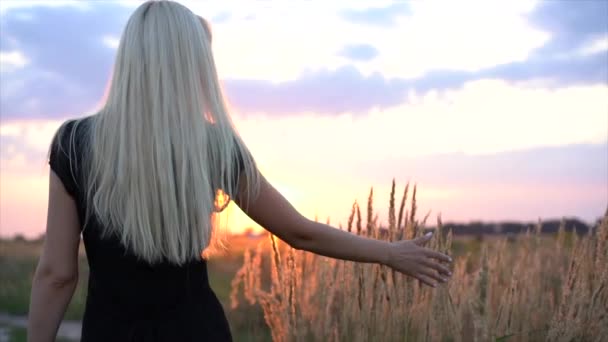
(436, 255)
(435, 265)
(426, 280)
(432, 274)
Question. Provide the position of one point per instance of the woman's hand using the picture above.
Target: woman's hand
(411, 258)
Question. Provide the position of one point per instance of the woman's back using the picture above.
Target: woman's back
(129, 298)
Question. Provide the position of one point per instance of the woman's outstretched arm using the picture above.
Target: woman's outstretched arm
(273, 212)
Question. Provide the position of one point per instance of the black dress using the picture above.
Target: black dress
(129, 299)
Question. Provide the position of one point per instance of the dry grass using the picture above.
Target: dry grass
(531, 288)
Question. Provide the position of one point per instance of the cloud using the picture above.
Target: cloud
(598, 45)
(589, 69)
(359, 52)
(324, 91)
(28, 140)
(12, 60)
(346, 89)
(111, 42)
(69, 62)
(572, 23)
(377, 16)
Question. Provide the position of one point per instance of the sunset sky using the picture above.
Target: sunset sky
(498, 110)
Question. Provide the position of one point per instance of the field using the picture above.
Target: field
(18, 262)
(532, 287)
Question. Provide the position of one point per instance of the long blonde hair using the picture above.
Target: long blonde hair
(164, 144)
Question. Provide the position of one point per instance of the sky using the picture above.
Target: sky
(497, 110)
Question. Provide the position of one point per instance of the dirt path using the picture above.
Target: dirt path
(68, 330)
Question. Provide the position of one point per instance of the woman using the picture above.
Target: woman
(139, 181)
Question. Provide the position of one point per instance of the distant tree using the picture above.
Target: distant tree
(19, 238)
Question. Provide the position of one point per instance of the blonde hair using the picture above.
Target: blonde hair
(163, 144)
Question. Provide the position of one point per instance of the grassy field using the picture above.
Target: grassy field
(530, 288)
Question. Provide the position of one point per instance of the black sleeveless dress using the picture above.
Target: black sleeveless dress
(129, 299)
